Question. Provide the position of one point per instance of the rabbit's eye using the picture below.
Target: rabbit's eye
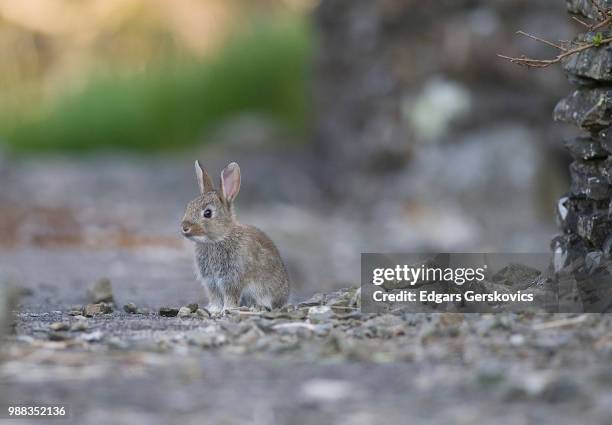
(207, 213)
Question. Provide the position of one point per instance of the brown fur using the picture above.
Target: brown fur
(237, 264)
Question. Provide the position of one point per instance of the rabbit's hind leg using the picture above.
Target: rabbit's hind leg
(258, 296)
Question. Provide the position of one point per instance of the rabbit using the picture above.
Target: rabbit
(237, 264)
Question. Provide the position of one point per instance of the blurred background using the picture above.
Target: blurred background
(359, 125)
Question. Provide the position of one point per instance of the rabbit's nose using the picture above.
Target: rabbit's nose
(186, 228)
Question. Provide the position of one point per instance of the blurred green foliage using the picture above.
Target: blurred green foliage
(175, 103)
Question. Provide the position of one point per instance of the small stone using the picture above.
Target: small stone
(321, 390)
(92, 336)
(79, 326)
(168, 311)
(517, 340)
(58, 336)
(316, 299)
(117, 343)
(130, 308)
(208, 340)
(193, 307)
(202, 313)
(184, 312)
(102, 291)
(95, 309)
(59, 326)
(76, 312)
(143, 310)
(320, 313)
(250, 337)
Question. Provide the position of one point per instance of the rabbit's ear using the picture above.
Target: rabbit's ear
(230, 182)
(203, 178)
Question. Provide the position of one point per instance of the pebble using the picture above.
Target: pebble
(168, 311)
(95, 309)
(326, 390)
(58, 336)
(320, 313)
(202, 313)
(59, 326)
(117, 343)
(92, 336)
(79, 326)
(316, 299)
(130, 308)
(184, 312)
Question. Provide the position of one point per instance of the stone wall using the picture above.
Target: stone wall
(584, 212)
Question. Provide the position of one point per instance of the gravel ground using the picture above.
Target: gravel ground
(320, 361)
(312, 364)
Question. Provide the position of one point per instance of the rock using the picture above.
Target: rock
(250, 337)
(590, 109)
(384, 326)
(570, 208)
(117, 343)
(326, 390)
(130, 308)
(587, 8)
(168, 311)
(202, 313)
(59, 326)
(102, 291)
(320, 313)
(590, 179)
(316, 299)
(184, 312)
(193, 307)
(585, 148)
(95, 309)
(208, 339)
(76, 312)
(604, 137)
(58, 336)
(79, 326)
(591, 64)
(143, 310)
(92, 336)
(593, 260)
(594, 228)
(302, 330)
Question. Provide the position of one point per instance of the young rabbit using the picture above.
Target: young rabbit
(237, 264)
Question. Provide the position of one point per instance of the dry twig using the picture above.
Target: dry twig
(568, 48)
